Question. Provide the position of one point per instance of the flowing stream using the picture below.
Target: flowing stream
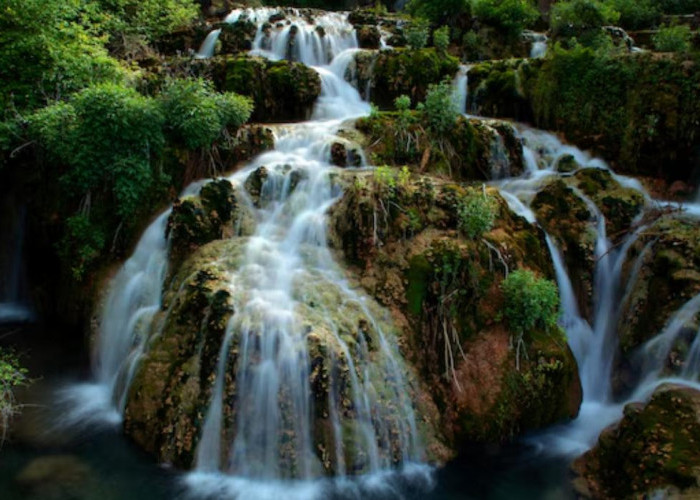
(287, 250)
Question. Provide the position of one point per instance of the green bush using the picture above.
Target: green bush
(510, 15)
(150, 19)
(636, 14)
(673, 39)
(81, 245)
(417, 34)
(12, 375)
(439, 108)
(438, 11)
(530, 302)
(580, 18)
(679, 6)
(476, 213)
(106, 135)
(441, 38)
(196, 115)
(49, 49)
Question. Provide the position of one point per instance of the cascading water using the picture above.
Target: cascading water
(285, 262)
(13, 293)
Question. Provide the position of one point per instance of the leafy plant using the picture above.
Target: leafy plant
(511, 15)
(438, 11)
(196, 115)
(673, 39)
(636, 14)
(577, 18)
(476, 213)
(81, 245)
(12, 375)
(149, 19)
(106, 135)
(439, 108)
(417, 34)
(530, 301)
(403, 107)
(441, 38)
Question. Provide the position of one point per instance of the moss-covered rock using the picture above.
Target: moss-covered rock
(661, 275)
(195, 221)
(237, 37)
(391, 73)
(282, 91)
(565, 217)
(169, 397)
(644, 120)
(402, 236)
(470, 150)
(368, 36)
(652, 449)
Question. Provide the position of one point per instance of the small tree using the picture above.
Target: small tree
(476, 213)
(417, 34)
(441, 38)
(439, 108)
(673, 39)
(530, 301)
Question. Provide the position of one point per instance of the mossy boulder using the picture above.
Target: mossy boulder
(172, 389)
(197, 220)
(237, 37)
(562, 211)
(660, 275)
(402, 238)
(368, 36)
(567, 219)
(392, 73)
(652, 450)
(645, 120)
(282, 91)
(470, 150)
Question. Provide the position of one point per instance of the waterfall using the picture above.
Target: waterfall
(208, 45)
(460, 89)
(13, 296)
(284, 259)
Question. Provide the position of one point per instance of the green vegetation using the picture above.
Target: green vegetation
(196, 115)
(512, 16)
(673, 39)
(531, 302)
(581, 19)
(12, 375)
(417, 34)
(439, 108)
(438, 11)
(637, 14)
(147, 19)
(441, 38)
(476, 213)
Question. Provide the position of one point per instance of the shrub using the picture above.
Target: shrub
(150, 19)
(679, 6)
(471, 44)
(636, 14)
(417, 34)
(438, 11)
(530, 302)
(403, 107)
(81, 245)
(439, 109)
(476, 213)
(673, 39)
(441, 38)
(574, 18)
(12, 375)
(511, 15)
(106, 135)
(195, 114)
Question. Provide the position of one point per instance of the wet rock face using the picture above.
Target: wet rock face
(405, 246)
(471, 150)
(237, 37)
(172, 390)
(653, 448)
(393, 73)
(564, 214)
(282, 91)
(368, 37)
(343, 155)
(661, 276)
(197, 221)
